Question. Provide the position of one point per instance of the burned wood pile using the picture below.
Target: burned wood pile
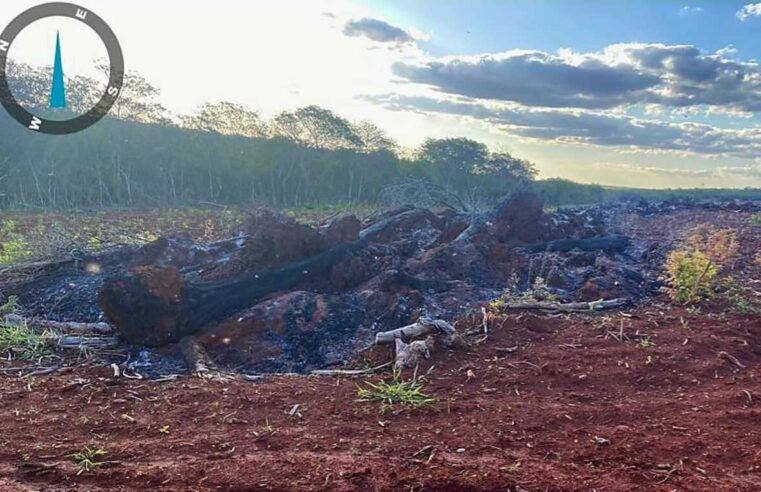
(288, 297)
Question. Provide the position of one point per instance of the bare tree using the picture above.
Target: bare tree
(374, 138)
(226, 118)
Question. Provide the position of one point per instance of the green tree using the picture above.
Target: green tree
(453, 159)
(317, 127)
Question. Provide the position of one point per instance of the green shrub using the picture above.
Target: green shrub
(398, 391)
(755, 220)
(22, 342)
(86, 460)
(691, 275)
(692, 269)
(13, 246)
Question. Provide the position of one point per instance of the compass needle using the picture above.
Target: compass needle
(58, 89)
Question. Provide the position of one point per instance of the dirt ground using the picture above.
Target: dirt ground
(540, 403)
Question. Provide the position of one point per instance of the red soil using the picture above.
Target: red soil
(569, 410)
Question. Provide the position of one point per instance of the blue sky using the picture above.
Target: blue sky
(477, 26)
(462, 29)
(639, 93)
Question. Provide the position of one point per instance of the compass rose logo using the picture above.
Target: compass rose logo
(58, 97)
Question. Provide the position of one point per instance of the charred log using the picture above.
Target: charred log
(516, 217)
(196, 357)
(608, 243)
(156, 305)
(422, 327)
(399, 278)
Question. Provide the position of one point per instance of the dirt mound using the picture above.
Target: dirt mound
(342, 230)
(520, 217)
(293, 332)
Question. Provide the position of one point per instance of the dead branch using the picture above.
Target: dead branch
(349, 372)
(60, 326)
(87, 342)
(569, 307)
(196, 357)
(410, 354)
(731, 358)
(423, 327)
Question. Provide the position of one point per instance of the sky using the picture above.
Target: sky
(639, 93)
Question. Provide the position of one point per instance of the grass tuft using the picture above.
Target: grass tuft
(396, 391)
(86, 460)
(24, 343)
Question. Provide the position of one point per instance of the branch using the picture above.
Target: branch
(424, 326)
(571, 306)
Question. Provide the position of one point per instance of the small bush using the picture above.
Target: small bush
(739, 297)
(691, 275)
(397, 391)
(692, 269)
(86, 460)
(13, 246)
(755, 220)
(22, 342)
(11, 306)
(538, 290)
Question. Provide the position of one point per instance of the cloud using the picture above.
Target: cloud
(727, 50)
(662, 171)
(752, 171)
(676, 76)
(532, 78)
(688, 10)
(749, 10)
(590, 127)
(377, 30)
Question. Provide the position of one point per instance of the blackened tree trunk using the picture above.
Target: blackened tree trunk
(155, 305)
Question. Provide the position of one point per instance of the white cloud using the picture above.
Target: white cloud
(689, 10)
(749, 10)
(663, 171)
(727, 51)
(750, 171)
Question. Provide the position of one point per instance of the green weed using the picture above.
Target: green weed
(755, 220)
(13, 246)
(397, 391)
(692, 269)
(86, 460)
(646, 342)
(24, 343)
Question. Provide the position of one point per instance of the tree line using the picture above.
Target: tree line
(226, 153)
